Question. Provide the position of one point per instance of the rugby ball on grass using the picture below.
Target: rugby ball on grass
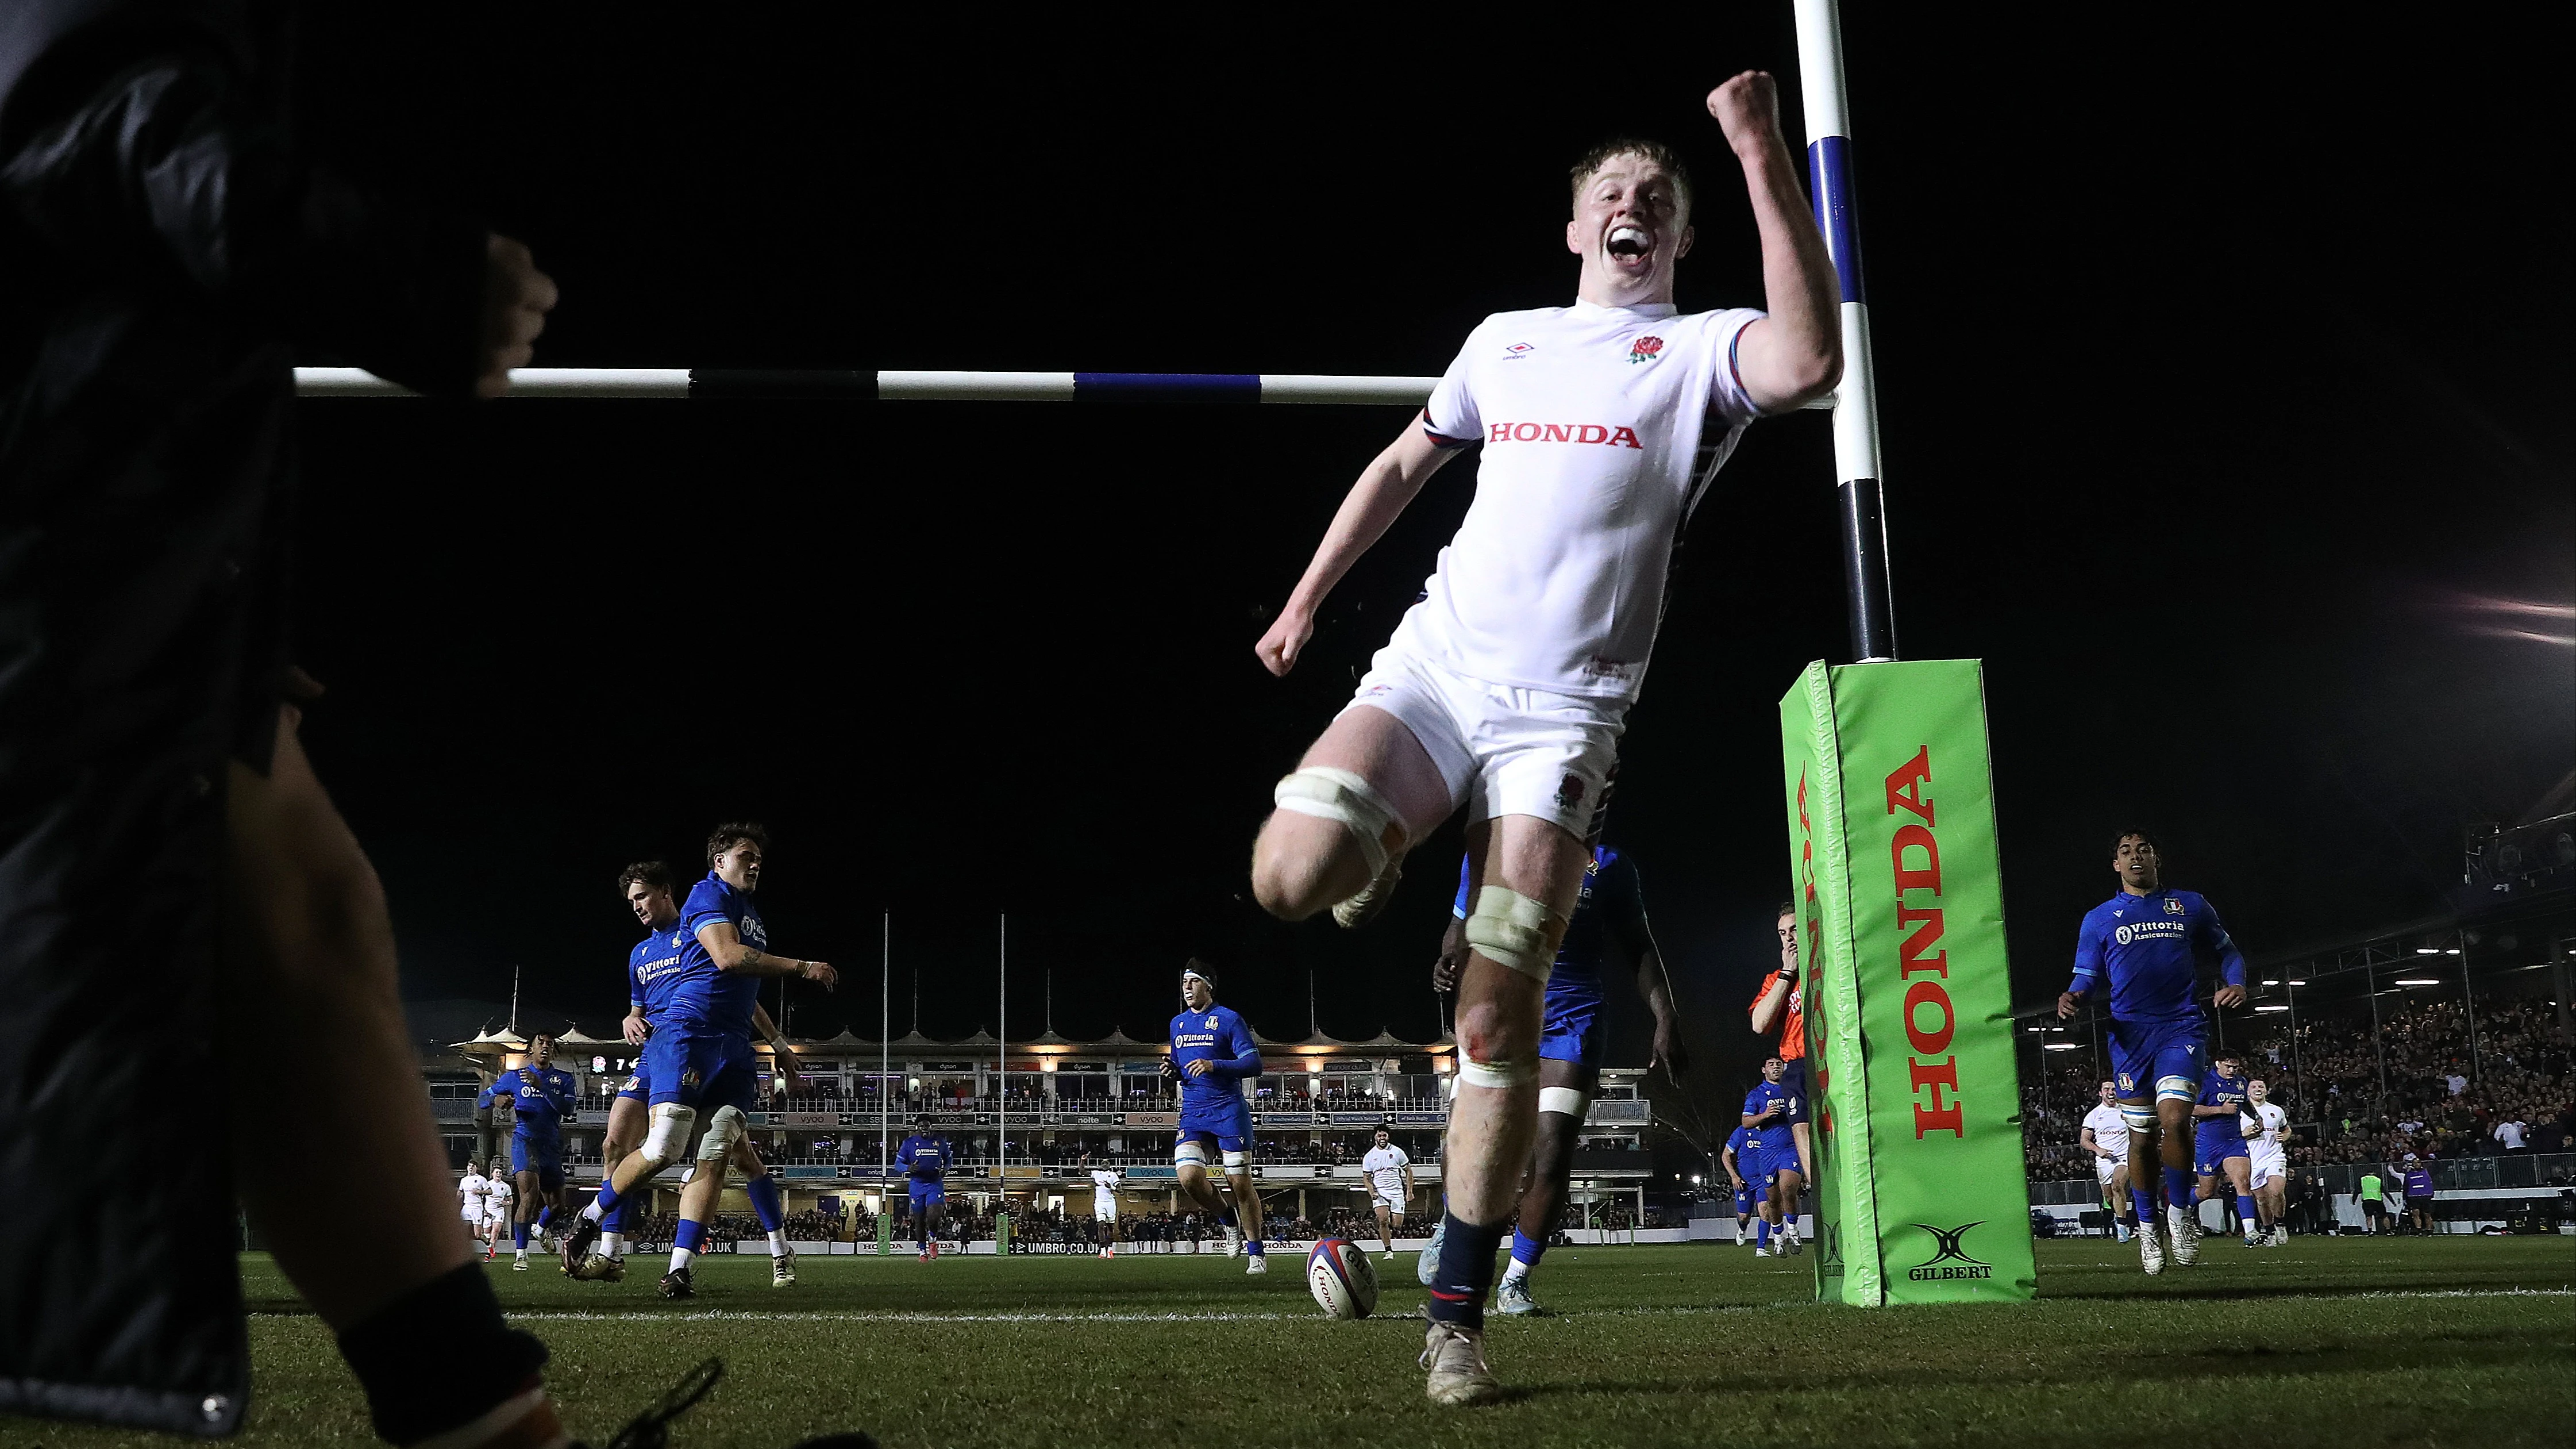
(1338, 1273)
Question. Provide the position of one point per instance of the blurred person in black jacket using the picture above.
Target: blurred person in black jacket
(177, 891)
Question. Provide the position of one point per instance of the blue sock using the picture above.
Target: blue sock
(1526, 1250)
(1788, 1225)
(2246, 1217)
(764, 1202)
(519, 1236)
(1252, 1244)
(1225, 1217)
(545, 1217)
(688, 1235)
(1762, 1234)
(2178, 1189)
(2144, 1200)
(607, 1199)
(612, 1219)
(1466, 1272)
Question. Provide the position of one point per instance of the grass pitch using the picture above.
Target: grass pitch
(2349, 1341)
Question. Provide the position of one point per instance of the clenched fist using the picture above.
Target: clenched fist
(1747, 109)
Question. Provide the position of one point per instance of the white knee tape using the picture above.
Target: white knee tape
(1565, 1101)
(723, 1130)
(2140, 1116)
(1348, 800)
(669, 1136)
(2177, 1089)
(1189, 1154)
(1497, 1075)
(1515, 930)
(1237, 1161)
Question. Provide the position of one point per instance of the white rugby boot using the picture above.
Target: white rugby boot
(2151, 1251)
(1260, 1264)
(1512, 1296)
(1233, 1242)
(1426, 1264)
(1456, 1358)
(2184, 1228)
(782, 1269)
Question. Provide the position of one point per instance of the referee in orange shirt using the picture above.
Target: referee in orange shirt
(1780, 1004)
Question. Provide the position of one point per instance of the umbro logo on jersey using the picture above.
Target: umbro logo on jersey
(1645, 349)
(1563, 433)
(1517, 351)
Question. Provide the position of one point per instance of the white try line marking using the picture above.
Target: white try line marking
(724, 1315)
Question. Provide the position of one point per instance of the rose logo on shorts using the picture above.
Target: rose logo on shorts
(1569, 792)
(1645, 349)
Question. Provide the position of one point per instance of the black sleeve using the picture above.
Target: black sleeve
(137, 154)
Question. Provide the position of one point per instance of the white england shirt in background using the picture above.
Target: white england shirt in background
(477, 1191)
(1385, 1169)
(1104, 1193)
(2268, 1142)
(2111, 1130)
(499, 1198)
(1601, 429)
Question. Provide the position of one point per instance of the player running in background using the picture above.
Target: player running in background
(497, 1209)
(541, 1098)
(2140, 943)
(1212, 1052)
(700, 1055)
(925, 1160)
(1389, 1174)
(1769, 1109)
(1506, 688)
(1609, 920)
(2219, 1152)
(474, 1190)
(1104, 1209)
(1733, 1158)
(2268, 1161)
(2106, 1136)
(1780, 1004)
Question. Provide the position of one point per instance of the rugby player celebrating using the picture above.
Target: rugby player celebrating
(1506, 687)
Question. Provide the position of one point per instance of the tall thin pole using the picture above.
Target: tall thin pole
(885, 1054)
(1002, 1090)
(2469, 1005)
(1837, 203)
(514, 1001)
(2370, 978)
(2290, 990)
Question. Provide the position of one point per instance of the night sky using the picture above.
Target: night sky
(2217, 391)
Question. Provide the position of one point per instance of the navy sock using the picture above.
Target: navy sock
(764, 1202)
(1526, 1250)
(1225, 1216)
(439, 1357)
(1466, 1272)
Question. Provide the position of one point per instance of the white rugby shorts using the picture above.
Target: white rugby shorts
(1103, 1212)
(1393, 1198)
(2103, 1167)
(1502, 749)
(2269, 1165)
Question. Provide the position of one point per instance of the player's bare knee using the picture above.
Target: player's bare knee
(1487, 1033)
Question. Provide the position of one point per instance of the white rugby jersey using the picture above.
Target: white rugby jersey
(1104, 1190)
(500, 1195)
(1385, 1168)
(2111, 1130)
(1601, 428)
(476, 1189)
(2276, 1122)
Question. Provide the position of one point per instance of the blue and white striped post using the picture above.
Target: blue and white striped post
(1829, 170)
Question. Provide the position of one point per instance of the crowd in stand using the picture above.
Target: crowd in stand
(2514, 1091)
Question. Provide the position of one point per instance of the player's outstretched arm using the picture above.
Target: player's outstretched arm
(1385, 486)
(1636, 937)
(1795, 354)
(725, 947)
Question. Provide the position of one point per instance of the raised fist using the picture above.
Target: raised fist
(1747, 109)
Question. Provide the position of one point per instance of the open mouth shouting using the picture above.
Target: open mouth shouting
(1629, 243)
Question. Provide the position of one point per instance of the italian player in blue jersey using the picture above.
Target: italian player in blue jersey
(1212, 1052)
(1609, 922)
(541, 1098)
(2219, 1155)
(925, 1160)
(652, 968)
(2141, 945)
(700, 1056)
(1774, 1103)
(1733, 1157)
